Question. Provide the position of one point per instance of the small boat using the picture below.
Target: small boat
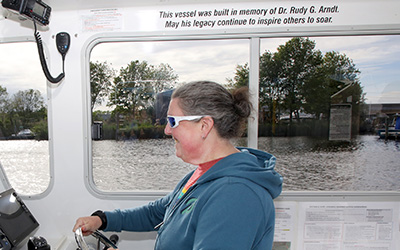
(392, 131)
(24, 134)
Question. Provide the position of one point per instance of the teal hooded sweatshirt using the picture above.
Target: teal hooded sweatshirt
(229, 207)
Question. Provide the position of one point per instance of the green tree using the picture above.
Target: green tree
(336, 72)
(101, 75)
(298, 78)
(134, 88)
(283, 75)
(271, 84)
(4, 99)
(40, 129)
(27, 101)
(241, 77)
(298, 60)
(26, 108)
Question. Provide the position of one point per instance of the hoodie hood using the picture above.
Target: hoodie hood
(251, 164)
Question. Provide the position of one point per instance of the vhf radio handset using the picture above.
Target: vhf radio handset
(62, 41)
(34, 9)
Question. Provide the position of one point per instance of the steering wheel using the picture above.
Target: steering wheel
(80, 241)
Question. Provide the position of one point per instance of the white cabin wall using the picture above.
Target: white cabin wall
(68, 197)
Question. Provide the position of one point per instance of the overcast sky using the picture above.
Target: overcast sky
(377, 57)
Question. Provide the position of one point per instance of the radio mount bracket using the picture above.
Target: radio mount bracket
(36, 10)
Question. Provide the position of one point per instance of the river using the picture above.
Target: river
(365, 164)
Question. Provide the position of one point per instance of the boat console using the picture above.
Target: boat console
(16, 221)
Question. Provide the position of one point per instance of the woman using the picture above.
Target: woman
(227, 202)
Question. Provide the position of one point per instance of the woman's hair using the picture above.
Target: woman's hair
(229, 110)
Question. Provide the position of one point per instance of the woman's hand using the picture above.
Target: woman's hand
(88, 224)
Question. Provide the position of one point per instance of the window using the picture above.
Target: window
(323, 101)
(131, 84)
(24, 147)
(324, 105)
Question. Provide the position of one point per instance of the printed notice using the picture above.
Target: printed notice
(340, 123)
(101, 20)
(349, 226)
(285, 223)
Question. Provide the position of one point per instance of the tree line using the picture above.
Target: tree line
(25, 109)
(296, 79)
(132, 95)
(299, 79)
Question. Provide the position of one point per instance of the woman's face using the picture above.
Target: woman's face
(187, 135)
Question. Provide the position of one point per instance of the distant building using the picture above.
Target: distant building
(380, 109)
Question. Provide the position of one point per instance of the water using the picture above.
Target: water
(26, 163)
(137, 165)
(366, 164)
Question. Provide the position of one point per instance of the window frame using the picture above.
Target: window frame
(254, 47)
(48, 100)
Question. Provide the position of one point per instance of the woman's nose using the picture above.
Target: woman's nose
(167, 129)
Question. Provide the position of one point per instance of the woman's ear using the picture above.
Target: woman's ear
(207, 123)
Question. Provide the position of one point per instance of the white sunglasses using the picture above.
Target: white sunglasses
(174, 120)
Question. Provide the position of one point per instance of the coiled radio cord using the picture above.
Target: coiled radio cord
(43, 59)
